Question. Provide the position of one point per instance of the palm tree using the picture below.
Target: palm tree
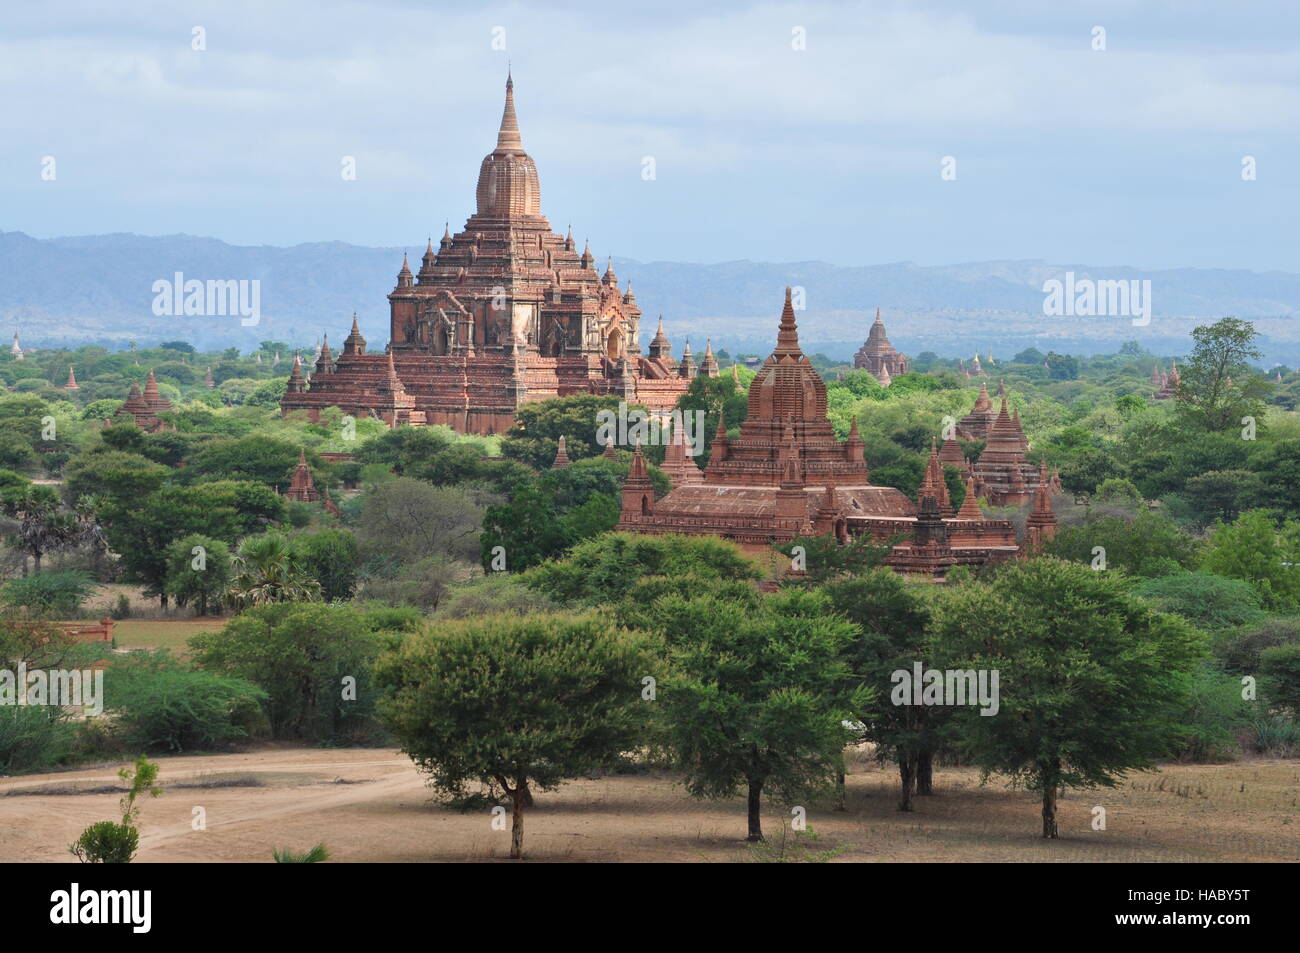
(268, 569)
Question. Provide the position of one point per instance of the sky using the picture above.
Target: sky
(778, 131)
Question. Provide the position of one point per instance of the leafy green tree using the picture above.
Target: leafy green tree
(113, 475)
(539, 425)
(755, 699)
(720, 398)
(603, 569)
(198, 571)
(1219, 387)
(824, 558)
(1091, 680)
(141, 531)
(1279, 669)
(1254, 550)
(1148, 544)
(314, 662)
(1210, 602)
(892, 619)
(332, 557)
(257, 458)
(516, 701)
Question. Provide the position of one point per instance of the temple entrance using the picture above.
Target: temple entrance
(614, 344)
(440, 339)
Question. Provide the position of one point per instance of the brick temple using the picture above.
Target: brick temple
(786, 476)
(504, 312)
(878, 356)
(144, 408)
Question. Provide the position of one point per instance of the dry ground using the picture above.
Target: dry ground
(371, 805)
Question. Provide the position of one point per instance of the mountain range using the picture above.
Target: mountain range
(99, 290)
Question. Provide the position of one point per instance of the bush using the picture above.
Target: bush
(1215, 714)
(1276, 735)
(49, 594)
(1279, 675)
(107, 842)
(164, 704)
(1239, 651)
(1208, 601)
(33, 737)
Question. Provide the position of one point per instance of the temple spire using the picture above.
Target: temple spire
(787, 339)
(508, 139)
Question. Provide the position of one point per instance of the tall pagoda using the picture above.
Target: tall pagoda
(503, 312)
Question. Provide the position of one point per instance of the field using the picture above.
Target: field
(372, 805)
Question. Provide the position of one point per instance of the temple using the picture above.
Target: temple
(503, 312)
(878, 356)
(786, 476)
(144, 408)
(1165, 384)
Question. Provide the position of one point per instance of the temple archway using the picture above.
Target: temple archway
(614, 344)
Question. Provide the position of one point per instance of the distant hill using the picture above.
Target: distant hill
(98, 289)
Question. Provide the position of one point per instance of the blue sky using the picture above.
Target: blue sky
(1130, 155)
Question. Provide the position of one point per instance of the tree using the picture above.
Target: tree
(332, 557)
(1092, 681)
(604, 569)
(516, 701)
(314, 662)
(755, 696)
(1254, 550)
(42, 526)
(891, 618)
(141, 530)
(198, 571)
(539, 425)
(720, 398)
(1218, 386)
(404, 520)
(268, 569)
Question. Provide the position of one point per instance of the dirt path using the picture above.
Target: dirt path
(372, 805)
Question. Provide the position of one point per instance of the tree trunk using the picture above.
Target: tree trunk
(925, 773)
(36, 559)
(839, 792)
(1049, 812)
(907, 779)
(527, 792)
(517, 823)
(162, 599)
(755, 818)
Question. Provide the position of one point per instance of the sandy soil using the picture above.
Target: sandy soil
(372, 805)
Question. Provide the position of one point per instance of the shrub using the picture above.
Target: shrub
(1279, 671)
(1276, 735)
(1215, 714)
(1239, 651)
(106, 842)
(1211, 602)
(164, 704)
(33, 737)
(49, 594)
